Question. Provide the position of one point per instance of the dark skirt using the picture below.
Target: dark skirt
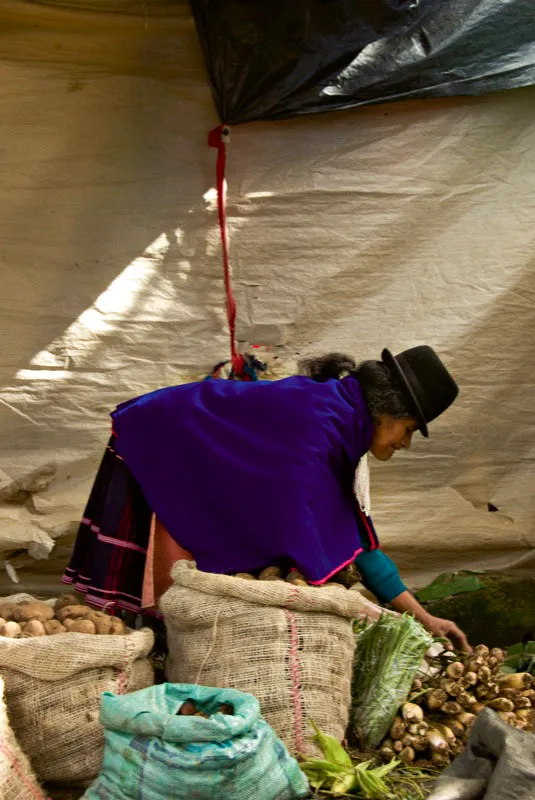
(108, 560)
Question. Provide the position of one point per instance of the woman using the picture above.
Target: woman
(247, 475)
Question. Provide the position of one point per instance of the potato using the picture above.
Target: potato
(11, 630)
(53, 626)
(67, 623)
(82, 626)
(34, 628)
(117, 628)
(245, 576)
(34, 610)
(7, 609)
(270, 574)
(74, 612)
(65, 600)
(102, 625)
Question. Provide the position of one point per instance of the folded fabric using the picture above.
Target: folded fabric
(498, 763)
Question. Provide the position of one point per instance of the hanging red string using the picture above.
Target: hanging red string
(219, 139)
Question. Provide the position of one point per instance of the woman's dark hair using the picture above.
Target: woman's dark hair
(382, 393)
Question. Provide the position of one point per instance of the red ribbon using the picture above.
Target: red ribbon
(219, 138)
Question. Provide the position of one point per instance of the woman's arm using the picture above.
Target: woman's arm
(441, 628)
(381, 577)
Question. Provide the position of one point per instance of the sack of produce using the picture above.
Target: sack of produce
(17, 781)
(55, 667)
(389, 654)
(290, 646)
(185, 741)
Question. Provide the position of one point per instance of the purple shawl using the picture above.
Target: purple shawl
(246, 475)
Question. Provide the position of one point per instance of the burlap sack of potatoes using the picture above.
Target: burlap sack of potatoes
(52, 690)
(17, 780)
(291, 647)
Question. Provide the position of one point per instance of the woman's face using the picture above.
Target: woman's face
(391, 434)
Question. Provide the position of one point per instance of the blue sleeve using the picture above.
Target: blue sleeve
(380, 575)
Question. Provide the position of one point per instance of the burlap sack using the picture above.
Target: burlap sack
(17, 781)
(52, 690)
(292, 647)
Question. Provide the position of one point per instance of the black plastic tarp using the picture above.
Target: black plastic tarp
(270, 59)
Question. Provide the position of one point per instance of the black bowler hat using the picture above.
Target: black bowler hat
(429, 385)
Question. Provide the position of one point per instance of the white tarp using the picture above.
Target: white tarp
(389, 226)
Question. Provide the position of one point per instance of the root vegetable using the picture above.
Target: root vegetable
(527, 714)
(34, 610)
(439, 759)
(397, 729)
(452, 708)
(518, 680)
(450, 686)
(407, 755)
(436, 699)
(492, 662)
(468, 679)
(7, 609)
(423, 727)
(481, 650)
(102, 624)
(436, 740)
(501, 704)
(521, 725)
(455, 670)
(117, 627)
(67, 623)
(522, 702)
(413, 729)
(397, 746)
(446, 732)
(466, 700)
(417, 684)
(65, 600)
(511, 694)
(482, 691)
(456, 726)
(387, 753)
(82, 626)
(34, 628)
(484, 674)
(477, 708)
(296, 577)
(270, 574)
(420, 744)
(530, 694)
(507, 716)
(466, 719)
(412, 713)
(474, 664)
(498, 654)
(54, 626)
(245, 576)
(11, 629)
(407, 740)
(73, 612)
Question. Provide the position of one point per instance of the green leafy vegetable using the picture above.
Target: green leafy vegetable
(389, 653)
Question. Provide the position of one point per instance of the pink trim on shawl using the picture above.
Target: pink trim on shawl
(334, 571)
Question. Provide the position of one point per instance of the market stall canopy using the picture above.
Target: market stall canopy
(276, 59)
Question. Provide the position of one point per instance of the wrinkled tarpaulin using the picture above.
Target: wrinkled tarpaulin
(276, 59)
(386, 226)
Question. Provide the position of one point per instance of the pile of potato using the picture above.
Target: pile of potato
(347, 577)
(68, 615)
(435, 722)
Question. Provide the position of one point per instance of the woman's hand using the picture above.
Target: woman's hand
(440, 628)
(446, 629)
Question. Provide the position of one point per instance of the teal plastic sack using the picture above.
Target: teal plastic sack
(153, 754)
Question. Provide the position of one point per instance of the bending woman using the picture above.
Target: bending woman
(249, 475)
